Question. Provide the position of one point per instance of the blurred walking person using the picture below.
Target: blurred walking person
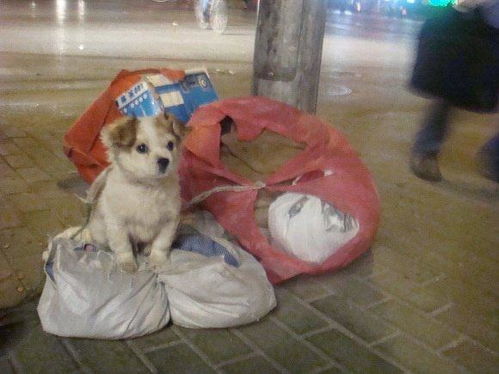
(457, 64)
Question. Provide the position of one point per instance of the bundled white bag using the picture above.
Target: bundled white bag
(209, 292)
(309, 228)
(87, 295)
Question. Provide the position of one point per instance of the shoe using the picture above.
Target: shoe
(425, 166)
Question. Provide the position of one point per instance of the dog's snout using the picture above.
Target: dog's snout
(163, 164)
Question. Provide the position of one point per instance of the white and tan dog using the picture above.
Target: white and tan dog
(136, 200)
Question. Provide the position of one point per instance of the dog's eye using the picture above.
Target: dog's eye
(170, 146)
(142, 148)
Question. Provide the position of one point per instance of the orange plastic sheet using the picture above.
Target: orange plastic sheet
(82, 142)
(328, 168)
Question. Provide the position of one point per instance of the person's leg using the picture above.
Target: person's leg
(488, 159)
(429, 140)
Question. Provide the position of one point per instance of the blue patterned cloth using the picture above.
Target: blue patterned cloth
(205, 246)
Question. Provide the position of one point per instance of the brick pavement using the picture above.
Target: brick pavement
(423, 300)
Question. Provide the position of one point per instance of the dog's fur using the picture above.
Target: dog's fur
(137, 200)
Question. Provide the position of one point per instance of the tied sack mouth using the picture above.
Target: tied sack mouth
(163, 164)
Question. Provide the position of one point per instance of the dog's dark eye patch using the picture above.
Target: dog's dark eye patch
(170, 146)
(142, 148)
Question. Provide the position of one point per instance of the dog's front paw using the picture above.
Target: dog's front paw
(127, 263)
(158, 259)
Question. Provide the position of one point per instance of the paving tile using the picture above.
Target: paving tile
(305, 287)
(9, 217)
(49, 139)
(9, 285)
(415, 324)
(218, 344)
(466, 321)
(19, 161)
(332, 370)
(466, 296)
(393, 283)
(407, 267)
(41, 353)
(294, 315)
(5, 169)
(69, 210)
(53, 195)
(29, 270)
(33, 175)
(5, 367)
(13, 184)
(415, 357)
(426, 300)
(347, 286)
(474, 357)
(43, 158)
(282, 347)
(363, 324)
(44, 186)
(55, 167)
(9, 148)
(251, 365)
(20, 242)
(43, 222)
(351, 354)
(30, 146)
(162, 337)
(13, 132)
(28, 202)
(364, 266)
(178, 359)
(415, 294)
(452, 256)
(106, 356)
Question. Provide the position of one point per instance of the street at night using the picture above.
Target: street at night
(422, 299)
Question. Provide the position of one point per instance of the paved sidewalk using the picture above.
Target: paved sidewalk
(424, 300)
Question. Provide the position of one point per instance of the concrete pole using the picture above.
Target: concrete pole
(288, 51)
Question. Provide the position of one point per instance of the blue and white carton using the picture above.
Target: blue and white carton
(156, 93)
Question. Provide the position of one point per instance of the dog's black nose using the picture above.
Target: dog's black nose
(163, 164)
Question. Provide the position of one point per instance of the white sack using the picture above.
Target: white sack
(206, 292)
(309, 228)
(86, 295)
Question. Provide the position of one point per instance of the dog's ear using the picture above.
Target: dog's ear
(177, 126)
(120, 133)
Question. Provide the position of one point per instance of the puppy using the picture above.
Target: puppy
(136, 200)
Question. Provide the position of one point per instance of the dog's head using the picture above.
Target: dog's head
(145, 147)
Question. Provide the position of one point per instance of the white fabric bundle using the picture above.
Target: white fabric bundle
(208, 292)
(87, 295)
(309, 228)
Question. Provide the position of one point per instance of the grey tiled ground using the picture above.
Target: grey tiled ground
(423, 300)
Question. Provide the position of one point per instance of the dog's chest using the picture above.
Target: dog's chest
(144, 211)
